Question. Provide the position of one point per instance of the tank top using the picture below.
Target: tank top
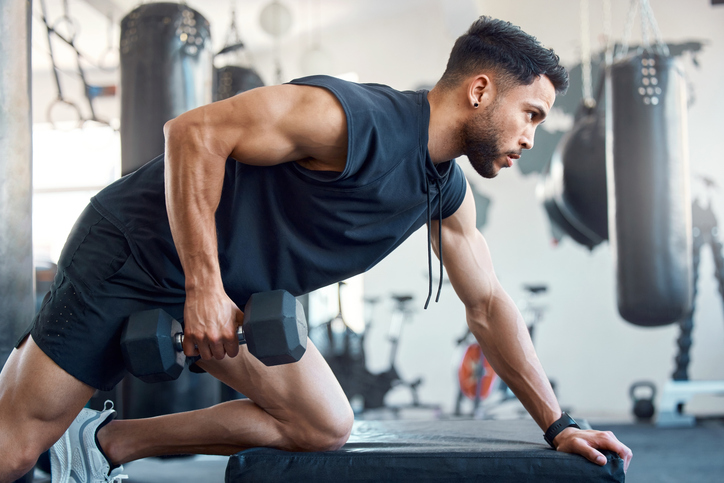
(287, 227)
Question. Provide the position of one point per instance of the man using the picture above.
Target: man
(295, 187)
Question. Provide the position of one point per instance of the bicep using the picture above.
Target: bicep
(466, 256)
(272, 125)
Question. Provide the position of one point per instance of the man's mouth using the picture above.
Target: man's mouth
(510, 157)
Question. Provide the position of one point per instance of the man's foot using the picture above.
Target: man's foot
(77, 457)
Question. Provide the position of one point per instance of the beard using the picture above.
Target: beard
(480, 140)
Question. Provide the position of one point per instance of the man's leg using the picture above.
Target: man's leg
(296, 407)
(38, 401)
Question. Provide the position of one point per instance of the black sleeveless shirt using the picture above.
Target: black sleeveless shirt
(286, 227)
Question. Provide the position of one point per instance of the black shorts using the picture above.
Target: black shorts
(98, 286)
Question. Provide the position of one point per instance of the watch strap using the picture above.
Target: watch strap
(565, 421)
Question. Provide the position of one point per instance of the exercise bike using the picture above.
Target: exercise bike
(344, 351)
(477, 381)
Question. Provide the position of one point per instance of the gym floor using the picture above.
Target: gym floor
(660, 456)
(674, 455)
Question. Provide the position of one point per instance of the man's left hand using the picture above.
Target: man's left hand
(587, 443)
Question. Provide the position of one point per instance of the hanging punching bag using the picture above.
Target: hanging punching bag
(166, 70)
(650, 217)
(573, 187)
(230, 80)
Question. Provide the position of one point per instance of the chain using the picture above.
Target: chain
(705, 232)
(645, 24)
(586, 53)
(686, 325)
(233, 37)
(648, 22)
(657, 33)
(632, 11)
(608, 29)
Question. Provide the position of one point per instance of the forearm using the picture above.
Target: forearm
(194, 176)
(506, 343)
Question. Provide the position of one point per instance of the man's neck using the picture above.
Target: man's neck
(445, 122)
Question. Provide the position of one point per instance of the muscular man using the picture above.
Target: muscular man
(296, 187)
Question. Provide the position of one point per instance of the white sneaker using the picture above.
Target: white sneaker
(76, 457)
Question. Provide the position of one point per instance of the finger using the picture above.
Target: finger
(232, 346)
(205, 351)
(189, 347)
(626, 455)
(218, 351)
(610, 442)
(591, 454)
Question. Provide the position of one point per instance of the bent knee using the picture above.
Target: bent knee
(330, 435)
(20, 460)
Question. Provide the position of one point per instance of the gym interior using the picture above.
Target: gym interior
(81, 104)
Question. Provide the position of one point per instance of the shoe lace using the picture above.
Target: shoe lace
(118, 477)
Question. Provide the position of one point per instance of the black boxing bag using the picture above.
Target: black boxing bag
(166, 70)
(649, 200)
(230, 80)
(574, 183)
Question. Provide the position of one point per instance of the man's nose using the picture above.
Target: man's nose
(526, 140)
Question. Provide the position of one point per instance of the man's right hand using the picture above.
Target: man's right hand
(211, 321)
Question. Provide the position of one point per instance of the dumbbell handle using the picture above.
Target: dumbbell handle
(178, 339)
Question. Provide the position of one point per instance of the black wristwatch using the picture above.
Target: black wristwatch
(565, 421)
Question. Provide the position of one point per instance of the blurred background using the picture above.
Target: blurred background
(591, 354)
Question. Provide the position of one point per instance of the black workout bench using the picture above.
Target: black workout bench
(442, 451)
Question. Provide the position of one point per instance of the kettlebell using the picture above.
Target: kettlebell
(643, 407)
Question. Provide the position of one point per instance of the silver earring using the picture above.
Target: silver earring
(475, 105)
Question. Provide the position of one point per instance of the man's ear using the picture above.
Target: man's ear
(480, 91)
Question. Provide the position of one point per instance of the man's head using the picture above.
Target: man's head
(509, 82)
(499, 47)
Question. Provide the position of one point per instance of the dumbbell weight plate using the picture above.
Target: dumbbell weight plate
(275, 327)
(148, 336)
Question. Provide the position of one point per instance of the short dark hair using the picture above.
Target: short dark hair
(517, 57)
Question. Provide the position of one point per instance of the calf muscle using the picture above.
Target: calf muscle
(38, 401)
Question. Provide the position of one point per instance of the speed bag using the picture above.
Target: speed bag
(650, 215)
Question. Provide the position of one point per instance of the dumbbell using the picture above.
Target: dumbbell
(274, 329)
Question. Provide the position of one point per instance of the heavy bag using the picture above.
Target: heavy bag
(573, 186)
(230, 80)
(166, 70)
(650, 214)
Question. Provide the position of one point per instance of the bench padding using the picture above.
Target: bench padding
(414, 451)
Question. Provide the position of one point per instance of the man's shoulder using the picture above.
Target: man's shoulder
(366, 94)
